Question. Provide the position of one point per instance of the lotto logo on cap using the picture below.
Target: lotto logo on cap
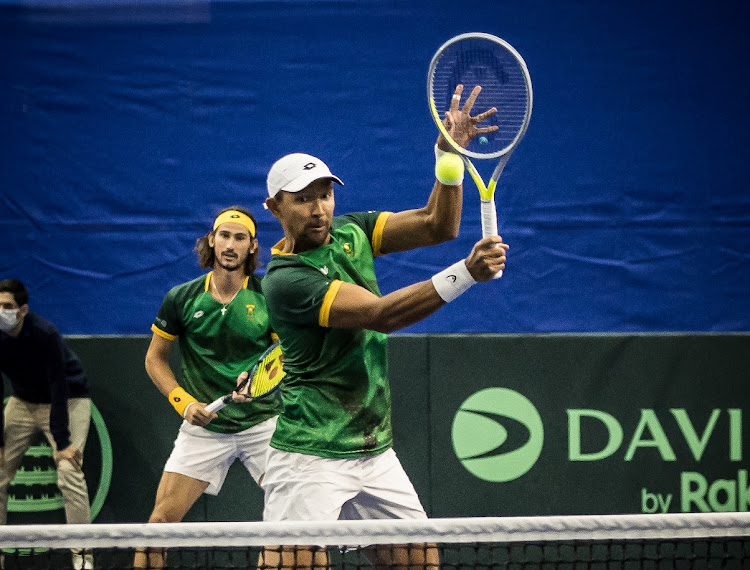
(294, 172)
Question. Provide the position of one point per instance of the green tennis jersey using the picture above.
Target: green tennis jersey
(217, 342)
(337, 400)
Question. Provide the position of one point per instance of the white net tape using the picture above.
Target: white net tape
(447, 530)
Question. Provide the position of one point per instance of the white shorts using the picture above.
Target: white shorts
(308, 487)
(207, 456)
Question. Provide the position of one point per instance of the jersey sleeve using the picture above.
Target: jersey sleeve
(296, 294)
(168, 323)
(372, 223)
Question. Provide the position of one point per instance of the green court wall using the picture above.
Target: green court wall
(485, 425)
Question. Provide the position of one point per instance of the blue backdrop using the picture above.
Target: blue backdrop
(127, 126)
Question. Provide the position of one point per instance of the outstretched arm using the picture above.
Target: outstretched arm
(356, 307)
(439, 220)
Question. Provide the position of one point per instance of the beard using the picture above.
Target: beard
(313, 237)
(226, 267)
(234, 263)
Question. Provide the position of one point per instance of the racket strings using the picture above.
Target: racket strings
(267, 374)
(504, 86)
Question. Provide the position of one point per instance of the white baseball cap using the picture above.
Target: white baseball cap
(293, 172)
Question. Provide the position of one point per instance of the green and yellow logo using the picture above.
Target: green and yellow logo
(497, 435)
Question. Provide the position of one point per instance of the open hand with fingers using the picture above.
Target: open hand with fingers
(487, 258)
(459, 123)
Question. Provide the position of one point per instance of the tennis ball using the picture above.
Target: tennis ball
(483, 140)
(449, 169)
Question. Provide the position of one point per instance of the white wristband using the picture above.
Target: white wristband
(438, 152)
(452, 281)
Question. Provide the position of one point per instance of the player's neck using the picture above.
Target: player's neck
(290, 245)
(227, 282)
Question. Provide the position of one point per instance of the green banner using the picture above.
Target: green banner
(537, 425)
(485, 425)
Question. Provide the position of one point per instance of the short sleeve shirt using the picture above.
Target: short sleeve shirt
(336, 393)
(217, 342)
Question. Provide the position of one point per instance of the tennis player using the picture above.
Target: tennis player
(221, 323)
(331, 455)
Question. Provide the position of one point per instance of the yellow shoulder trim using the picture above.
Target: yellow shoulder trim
(325, 309)
(162, 334)
(377, 233)
(279, 247)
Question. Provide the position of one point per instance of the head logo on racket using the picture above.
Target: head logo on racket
(265, 378)
(497, 435)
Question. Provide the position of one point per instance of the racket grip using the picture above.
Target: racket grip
(221, 403)
(218, 404)
(489, 223)
(489, 218)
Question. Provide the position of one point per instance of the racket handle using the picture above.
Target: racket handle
(489, 223)
(222, 402)
(489, 218)
(218, 404)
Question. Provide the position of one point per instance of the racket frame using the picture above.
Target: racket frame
(222, 401)
(486, 192)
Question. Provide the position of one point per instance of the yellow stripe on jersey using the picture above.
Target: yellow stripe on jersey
(325, 309)
(207, 284)
(377, 233)
(162, 334)
(279, 247)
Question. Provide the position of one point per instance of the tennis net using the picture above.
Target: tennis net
(680, 541)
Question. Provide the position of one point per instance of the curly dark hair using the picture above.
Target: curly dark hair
(207, 256)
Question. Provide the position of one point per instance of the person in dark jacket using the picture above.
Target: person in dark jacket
(50, 394)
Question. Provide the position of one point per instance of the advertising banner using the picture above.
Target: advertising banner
(485, 425)
(537, 425)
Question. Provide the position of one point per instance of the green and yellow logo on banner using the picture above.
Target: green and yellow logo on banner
(497, 434)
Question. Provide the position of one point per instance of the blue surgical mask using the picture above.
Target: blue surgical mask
(8, 319)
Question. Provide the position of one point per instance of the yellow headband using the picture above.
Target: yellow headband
(235, 217)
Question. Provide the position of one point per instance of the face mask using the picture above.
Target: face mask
(8, 319)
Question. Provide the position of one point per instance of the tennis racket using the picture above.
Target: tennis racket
(485, 60)
(264, 378)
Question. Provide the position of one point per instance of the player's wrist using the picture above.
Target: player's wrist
(439, 152)
(180, 400)
(452, 281)
(185, 411)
